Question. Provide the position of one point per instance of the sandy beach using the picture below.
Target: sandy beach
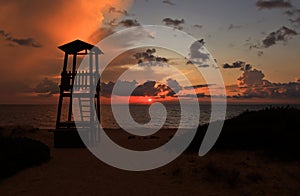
(77, 172)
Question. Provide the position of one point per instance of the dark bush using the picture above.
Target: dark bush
(274, 131)
(19, 153)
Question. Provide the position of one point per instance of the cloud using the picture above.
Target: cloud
(46, 88)
(294, 16)
(197, 86)
(129, 23)
(272, 4)
(281, 35)
(30, 42)
(174, 85)
(119, 11)
(153, 88)
(251, 77)
(252, 84)
(147, 58)
(237, 64)
(203, 65)
(232, 26)
(176, 23)
(36, 20)
(149, 88)
(195, 50)
(197, 55)
(198, 95)
(169, 2)
(271, 91)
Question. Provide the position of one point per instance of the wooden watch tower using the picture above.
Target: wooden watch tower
(78, 87)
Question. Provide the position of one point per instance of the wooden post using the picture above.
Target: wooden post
(92, 96)
(63, 74)
(73, 80)
(97, 75)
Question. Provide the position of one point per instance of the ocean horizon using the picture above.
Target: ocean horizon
(43, 116)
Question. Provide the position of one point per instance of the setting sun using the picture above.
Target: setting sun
(149, 100)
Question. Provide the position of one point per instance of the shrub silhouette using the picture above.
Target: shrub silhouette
(19, 153)
(274, 131)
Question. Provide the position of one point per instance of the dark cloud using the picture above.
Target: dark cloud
(247, 67)
(30, 42)
(147, 58)
(271, 4)
(196, 56)
(251, 77)
(176, 23)
(169, 2)
(197, 86)
(129, 23)
(149, 88)
(115, 10)
(294, 16)
(198, 95)
(281, 35)
(46, 88)
(266, 89)
(152, 88)
(237, 64)
(232, 26)
(174, 85)
(203, 65)
(251, 84)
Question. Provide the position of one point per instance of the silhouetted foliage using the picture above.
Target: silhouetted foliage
(19, 153)
(274, 131)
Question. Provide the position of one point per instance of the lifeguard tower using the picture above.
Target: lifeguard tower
(81, 87)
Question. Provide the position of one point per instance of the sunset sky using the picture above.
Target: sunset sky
(255, 43)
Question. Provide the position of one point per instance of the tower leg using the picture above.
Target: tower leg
(59, 111)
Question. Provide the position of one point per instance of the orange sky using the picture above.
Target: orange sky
(50, 24)
(30, 32)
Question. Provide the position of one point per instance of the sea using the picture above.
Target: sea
(44, 116)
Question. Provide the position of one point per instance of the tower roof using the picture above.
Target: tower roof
(77, 46)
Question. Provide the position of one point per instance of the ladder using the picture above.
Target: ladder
(89, 117)
(85, 105)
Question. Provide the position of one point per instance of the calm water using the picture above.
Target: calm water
(44, 116)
